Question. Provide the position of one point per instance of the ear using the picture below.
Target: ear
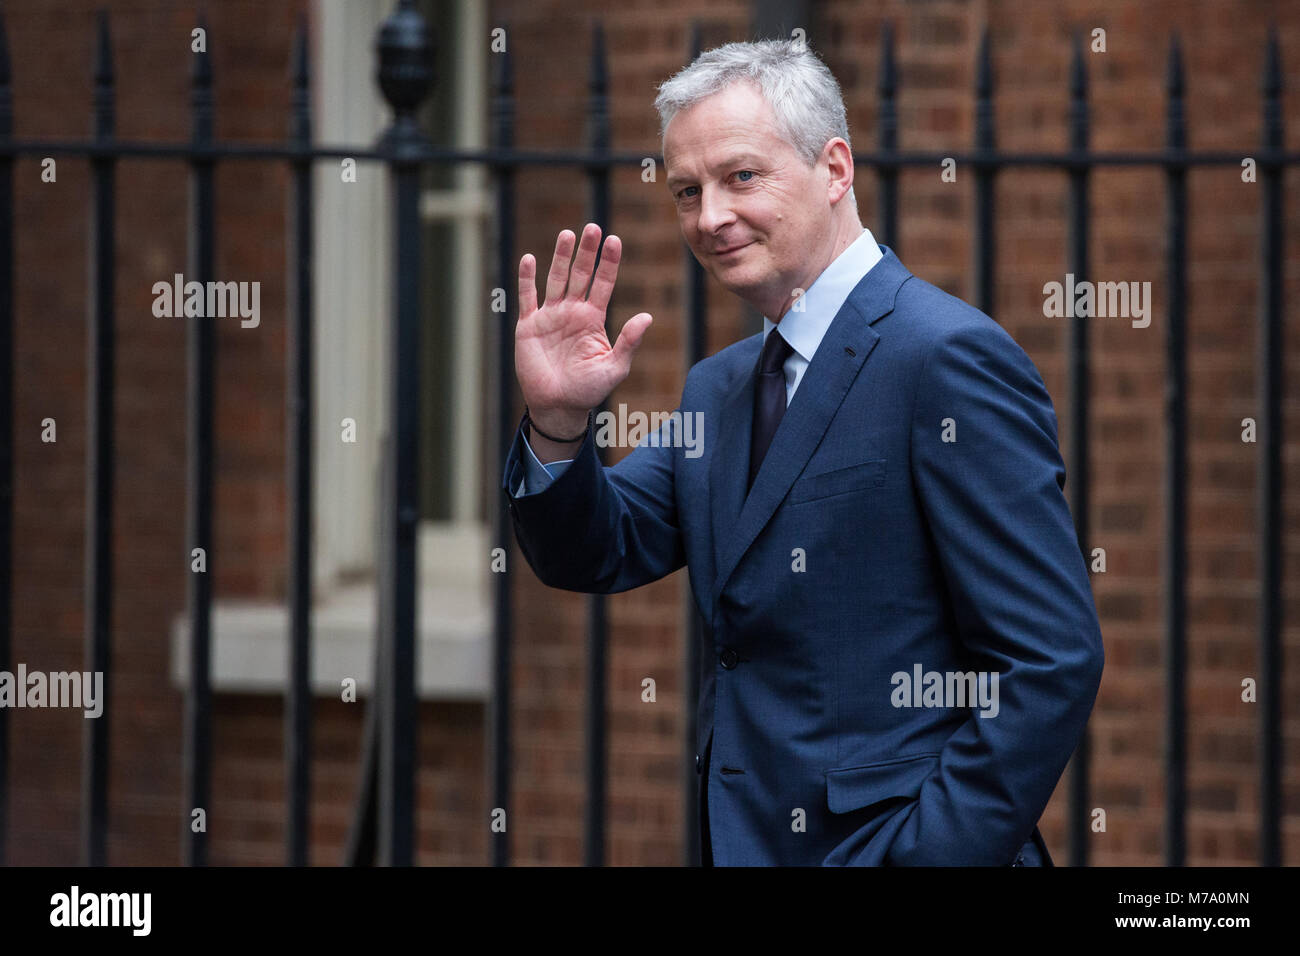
(839, 167)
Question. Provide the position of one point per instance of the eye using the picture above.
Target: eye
(685, 192)
(744, 175)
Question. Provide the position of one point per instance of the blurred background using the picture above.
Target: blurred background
(1239, 797)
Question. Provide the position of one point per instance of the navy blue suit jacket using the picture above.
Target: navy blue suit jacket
(909, 513)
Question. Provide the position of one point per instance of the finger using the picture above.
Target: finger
(630, 338)
(606, 273)
(527, 285)
(558, 277)
(585, 262)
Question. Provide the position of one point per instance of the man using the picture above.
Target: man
(902, 647)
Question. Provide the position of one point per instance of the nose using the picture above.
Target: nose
(715, 211)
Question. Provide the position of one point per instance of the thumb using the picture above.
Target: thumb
(630, 338)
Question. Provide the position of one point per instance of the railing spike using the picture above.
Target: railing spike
(984, 68)
(1176, 127)
(300, 66)
(201, 69)
(888, 72)
(598, 77)
(103, 50)
(503, 71)
(300, 86)
(984, 94)
(1078, 72)
(1272, 86)
(103, 78)
(4, 52)
(598, 92)
(1174, 77)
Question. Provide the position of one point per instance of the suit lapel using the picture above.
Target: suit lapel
(839, 358)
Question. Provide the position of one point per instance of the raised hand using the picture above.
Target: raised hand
(563, 359)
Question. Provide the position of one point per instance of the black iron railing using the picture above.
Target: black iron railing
(384, 824)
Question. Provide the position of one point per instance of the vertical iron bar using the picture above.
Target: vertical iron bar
(1270, 427)
(696, 348)
(297, 713)
(503, 137)
(985, 170)
(6, 418)
(597, 623)
(887, 134)
(363, 834)
(1077, 362)
(405, 75)
(201, 362)
(1176, 475)
(99, 458)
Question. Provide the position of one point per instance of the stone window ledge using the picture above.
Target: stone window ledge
(250, 639)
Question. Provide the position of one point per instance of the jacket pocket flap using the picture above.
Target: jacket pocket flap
(865, 474)
(852, 788)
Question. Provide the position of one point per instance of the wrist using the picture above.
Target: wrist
(559, 425)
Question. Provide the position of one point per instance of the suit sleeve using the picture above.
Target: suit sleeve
(993, 501)
(599, 529)
(537, 476)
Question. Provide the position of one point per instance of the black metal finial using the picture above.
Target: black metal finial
(984, 67)
(502, 109)
(1078, 72)
(1174, 75)
(103, 50)
(984, 94)
(1078, 98)
(598, 92)
(299, 66)
(1272, 86)
(1176, 126)
(405, 48)
(4, 52)
(693, 40)
(300, 86)
(888, 81)
(6, 93)
(201, 69)
(1272, 90)
(201, 87)
(887, 116)
(103, 95)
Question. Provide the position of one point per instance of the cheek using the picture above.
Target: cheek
(778, 212)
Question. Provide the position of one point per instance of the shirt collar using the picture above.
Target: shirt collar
(804, 329)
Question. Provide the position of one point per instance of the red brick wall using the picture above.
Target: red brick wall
(51, 50)
(936, 46)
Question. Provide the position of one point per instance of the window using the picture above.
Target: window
(353, 275)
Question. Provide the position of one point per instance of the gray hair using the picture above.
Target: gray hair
(801, 90)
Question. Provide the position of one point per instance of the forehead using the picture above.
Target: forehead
(735, 119)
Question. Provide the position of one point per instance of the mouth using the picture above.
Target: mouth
(731, 250)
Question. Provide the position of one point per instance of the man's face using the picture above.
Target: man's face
(749, 207)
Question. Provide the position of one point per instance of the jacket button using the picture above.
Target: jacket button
(729, 658)
(697, 763)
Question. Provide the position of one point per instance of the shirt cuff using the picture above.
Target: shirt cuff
(537, 477)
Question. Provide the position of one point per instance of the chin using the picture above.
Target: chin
(737, 271)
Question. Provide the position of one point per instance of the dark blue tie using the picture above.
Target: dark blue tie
(769, 398)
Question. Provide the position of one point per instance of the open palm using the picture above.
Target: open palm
(563, 358)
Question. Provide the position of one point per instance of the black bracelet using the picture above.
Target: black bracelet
(528, 420)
